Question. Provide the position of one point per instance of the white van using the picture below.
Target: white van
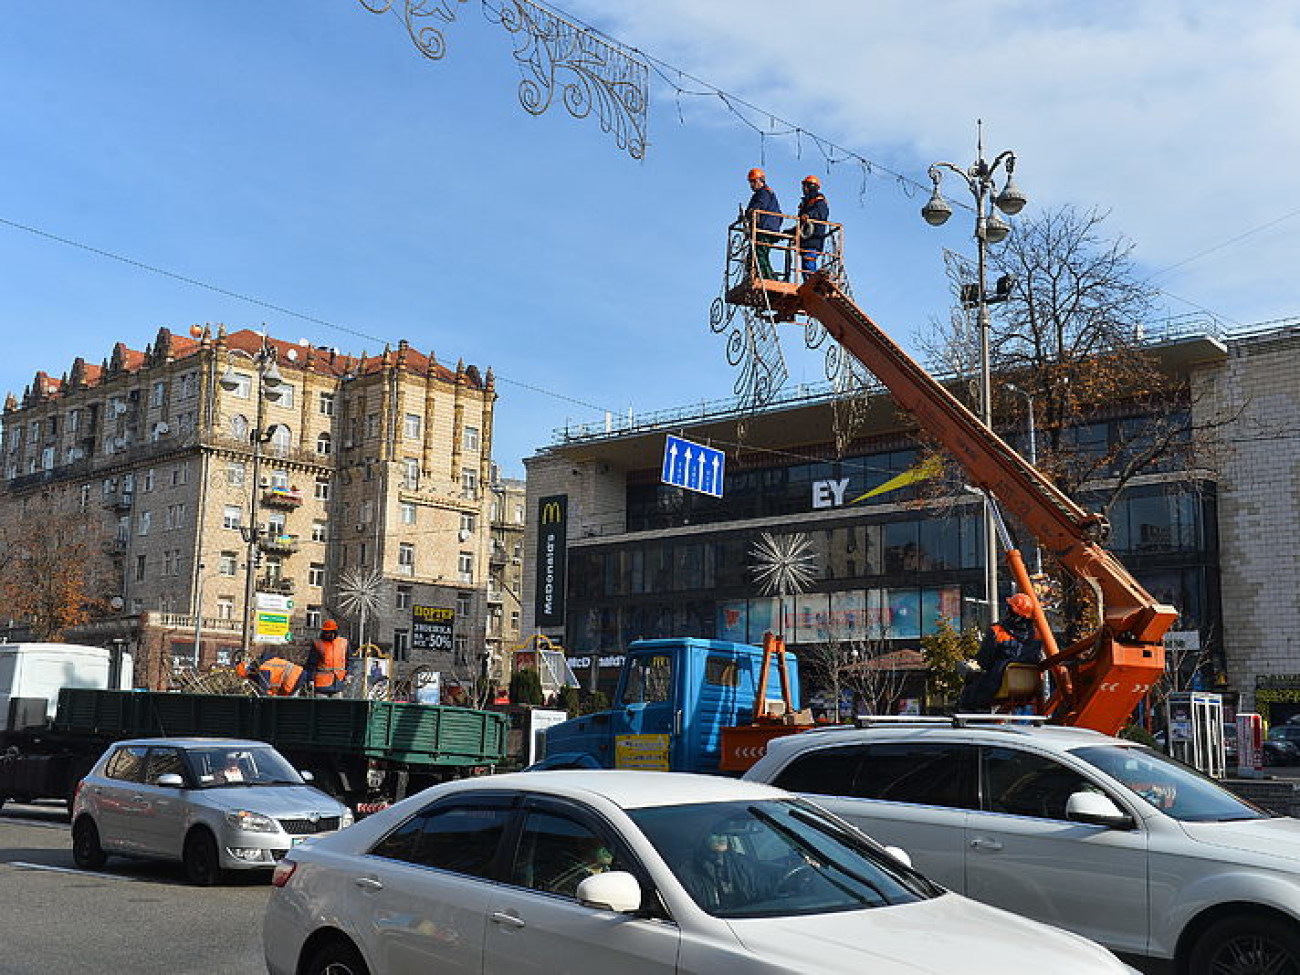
(40, 670)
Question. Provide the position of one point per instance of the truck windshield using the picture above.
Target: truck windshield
(240, 766)
(649, 679)
(1172, 787)
(775, 857)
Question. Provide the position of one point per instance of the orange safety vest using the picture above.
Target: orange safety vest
(281, 676)
(331, 659)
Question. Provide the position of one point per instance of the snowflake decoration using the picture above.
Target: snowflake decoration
(783, 564)
(360, 592)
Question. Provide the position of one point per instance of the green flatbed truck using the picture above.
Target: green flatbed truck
(364, 752)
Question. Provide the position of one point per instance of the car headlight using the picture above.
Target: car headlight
(346, 819)
(252, 822)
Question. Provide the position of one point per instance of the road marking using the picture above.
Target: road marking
(22, 864)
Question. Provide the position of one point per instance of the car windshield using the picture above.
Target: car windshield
(772, 858)
(1285, 732)
(244, 765)
(1169, 785)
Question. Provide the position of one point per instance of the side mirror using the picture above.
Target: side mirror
(899, 854)
(306, 775)
(170, 780)
(1097, 810)
(617, 891)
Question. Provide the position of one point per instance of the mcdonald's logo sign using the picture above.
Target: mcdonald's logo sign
(552, 552)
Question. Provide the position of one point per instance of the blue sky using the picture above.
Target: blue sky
(302, 153)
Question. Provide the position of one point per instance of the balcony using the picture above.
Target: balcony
(119, 502)
(278, 497)
(280, 544)
(281, 585)
(116, 546)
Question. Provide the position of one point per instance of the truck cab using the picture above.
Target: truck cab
(674, 697)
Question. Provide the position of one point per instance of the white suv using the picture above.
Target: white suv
(1095, 834)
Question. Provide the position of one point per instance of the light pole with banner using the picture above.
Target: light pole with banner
(268, 383)
(989, 229)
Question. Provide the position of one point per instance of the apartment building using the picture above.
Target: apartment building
(371, 494)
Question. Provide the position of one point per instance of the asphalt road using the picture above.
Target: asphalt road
(135, 917)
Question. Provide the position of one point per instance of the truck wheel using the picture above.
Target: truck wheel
(337, 958)
(86, 851)
(201, 859)
(1246, 945)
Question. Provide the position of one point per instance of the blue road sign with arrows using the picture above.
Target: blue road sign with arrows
(693, 466)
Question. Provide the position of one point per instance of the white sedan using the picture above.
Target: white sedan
(631, 872)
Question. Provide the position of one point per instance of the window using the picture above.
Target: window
(275, 524)
(468, 522)
(314, 617)
(721, 671)
(1025, 784)
(146, 482)
(470, 439)
(235, 474)
(181, 474)
(372, 424)
(127, 764)
(410, 473)
(228, 564)
(514, 620)
(316, 574)
(406, 558)
(557, 853)
(318, 531)
(461, 838)
(47, 459)
(226, 607)
(165, 761)
(239, 426)
(403, 597)
(146, 518)
(183, 656)
(408, 513)
(281, 439)
(325, 404)
(74, 421)
(469, 484)
(157, 393)
(925, 773)
(460, 649)
(401, 644)
(286, 395)
(243, 384)
(464, 600)
(232, 516)
(324, 445)
(649, 679)
(411, 426)
(85, 497)
(280, 480)
(322, 489)
(362, 552)
(367, 512)
(465, 567)
(139, 568)
(189, 384)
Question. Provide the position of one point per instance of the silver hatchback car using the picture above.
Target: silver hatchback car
(215, 804)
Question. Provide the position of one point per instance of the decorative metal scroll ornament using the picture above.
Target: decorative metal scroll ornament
(427, 39)
(591, 75)
(783, 565)
(752, 342)
(361, 594)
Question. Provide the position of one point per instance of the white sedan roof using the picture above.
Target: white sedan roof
(627, 789)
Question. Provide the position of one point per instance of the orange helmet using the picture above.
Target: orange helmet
(756, 173)
(329, 625)
(1020, 604)
(814, 180)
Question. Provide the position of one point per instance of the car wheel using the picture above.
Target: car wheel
(202, 862)
(86, 850)
(337, 958)
(1245, 945)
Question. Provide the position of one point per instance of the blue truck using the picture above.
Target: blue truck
(686, 705)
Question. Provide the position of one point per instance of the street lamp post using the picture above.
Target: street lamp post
(989, 229)
(268, 383)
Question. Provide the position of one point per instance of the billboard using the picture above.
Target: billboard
(552, 541)
(432, 628)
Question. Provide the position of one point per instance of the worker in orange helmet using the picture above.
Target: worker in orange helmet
(763, 217)
(327, 661)
(814, 212)
(1010, 640)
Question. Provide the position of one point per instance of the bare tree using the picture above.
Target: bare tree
(863, 666)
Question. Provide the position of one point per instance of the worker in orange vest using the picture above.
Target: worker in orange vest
(276, 676)
(327, 661)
